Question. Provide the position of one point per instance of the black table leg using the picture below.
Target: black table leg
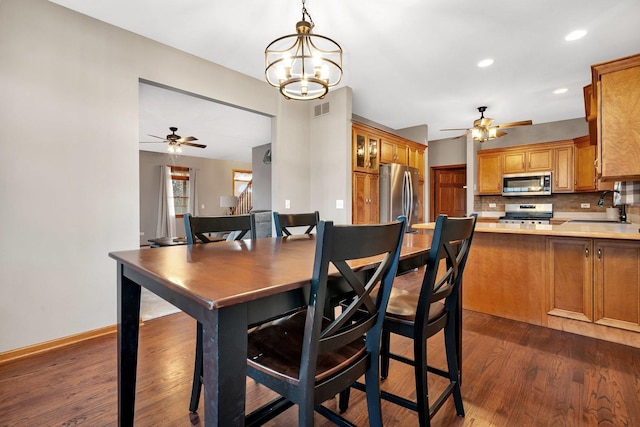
(225, 365)
(128, 326)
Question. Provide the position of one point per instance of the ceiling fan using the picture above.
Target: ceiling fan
(176, 141)
(483, 131)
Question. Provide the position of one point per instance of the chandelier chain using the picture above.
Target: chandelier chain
(305, 12)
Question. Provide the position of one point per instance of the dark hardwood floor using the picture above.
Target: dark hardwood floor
(514, 374)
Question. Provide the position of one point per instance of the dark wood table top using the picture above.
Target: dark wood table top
(267, 266)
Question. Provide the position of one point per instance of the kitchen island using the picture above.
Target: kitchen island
(578, 277)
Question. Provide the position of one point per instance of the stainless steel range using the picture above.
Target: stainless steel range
(527, 213)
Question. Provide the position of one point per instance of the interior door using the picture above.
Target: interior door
(448, 186)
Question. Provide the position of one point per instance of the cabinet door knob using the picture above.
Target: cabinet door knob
(586, 253)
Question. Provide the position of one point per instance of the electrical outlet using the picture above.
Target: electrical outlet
(339, 204)
(492, 205)
(287, 204)
(142, 233)
(585, 205)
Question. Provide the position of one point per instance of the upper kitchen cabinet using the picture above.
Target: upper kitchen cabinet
(489, 172)
(416, 159)
(584, 170)
(365, 150)
(394, 152)
(617, 101)
(562, 173)
(527, 160)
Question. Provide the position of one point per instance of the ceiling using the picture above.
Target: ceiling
(408, 65)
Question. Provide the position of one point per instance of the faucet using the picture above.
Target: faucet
(623, 209)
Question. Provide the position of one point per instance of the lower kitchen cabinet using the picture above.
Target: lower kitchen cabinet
(366, 206)
(594, 280)
(617, 284)
(570, 277)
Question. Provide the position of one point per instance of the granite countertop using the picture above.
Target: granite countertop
(568, 229)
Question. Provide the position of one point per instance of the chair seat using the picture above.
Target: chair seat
(403, 305)
(267, 353)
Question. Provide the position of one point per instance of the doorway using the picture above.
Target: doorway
(448, 191)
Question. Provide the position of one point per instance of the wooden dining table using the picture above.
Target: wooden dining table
(227, 287)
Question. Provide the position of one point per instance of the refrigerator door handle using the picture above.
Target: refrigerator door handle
(404, 194)
(409, 197)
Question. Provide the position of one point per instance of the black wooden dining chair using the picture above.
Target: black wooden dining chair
(196, 229)
(285, 222)
(308, 358)
(420, 316)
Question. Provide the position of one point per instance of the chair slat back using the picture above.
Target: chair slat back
(197, 226)
(341, 246)
(449, 248)
(284, 222)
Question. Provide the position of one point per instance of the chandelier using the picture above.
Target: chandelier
(303, 65)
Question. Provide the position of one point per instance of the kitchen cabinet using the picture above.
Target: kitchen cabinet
(562, 173)
(393, 152)
(416, 160)
(594, 280)
(420, 205)
(529, 160)
(366, 206)
(617, 90)
(372, 147)
(569, 277)
(584, 169)
(489, 172)
(365, 150)
(617, 284)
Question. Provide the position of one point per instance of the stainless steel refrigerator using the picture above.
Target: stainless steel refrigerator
(398, 193)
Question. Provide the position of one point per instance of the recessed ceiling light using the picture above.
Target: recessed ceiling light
(575, 35)
(560, 90)
(485, 62)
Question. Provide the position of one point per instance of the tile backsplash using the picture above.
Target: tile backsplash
(561, 203)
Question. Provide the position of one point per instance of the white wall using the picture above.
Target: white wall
(290, 163)
(69, 182)
(261, 196)
(330, 150)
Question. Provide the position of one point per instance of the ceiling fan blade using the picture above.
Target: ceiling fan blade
(455, 129)
(499, 133)
(159, 137)
(187, 139)
(512, 124)
(193, 145)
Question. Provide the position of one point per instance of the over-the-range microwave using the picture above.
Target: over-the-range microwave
(526, 184)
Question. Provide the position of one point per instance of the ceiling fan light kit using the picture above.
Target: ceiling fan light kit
(303, 65)
(483, 131)
(175, 142)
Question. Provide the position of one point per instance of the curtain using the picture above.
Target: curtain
(166, 226)
(193, 192)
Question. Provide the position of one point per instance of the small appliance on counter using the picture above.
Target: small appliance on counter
(527, 213)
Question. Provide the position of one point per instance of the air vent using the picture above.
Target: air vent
(321, 109)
